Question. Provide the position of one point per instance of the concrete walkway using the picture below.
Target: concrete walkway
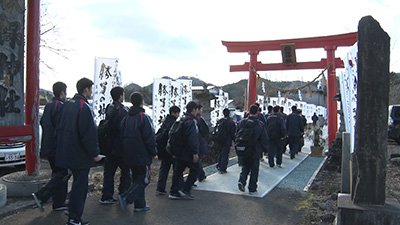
(268, 177)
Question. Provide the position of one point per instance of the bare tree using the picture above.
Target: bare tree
(50, 36)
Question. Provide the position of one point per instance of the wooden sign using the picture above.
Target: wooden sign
(288, 54)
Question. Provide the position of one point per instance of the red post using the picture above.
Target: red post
(252, 84)
(32, 85)
(332, 91)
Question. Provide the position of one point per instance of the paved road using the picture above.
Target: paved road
(278, 207)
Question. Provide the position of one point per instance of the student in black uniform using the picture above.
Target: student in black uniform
(56, 188)
(77, 147)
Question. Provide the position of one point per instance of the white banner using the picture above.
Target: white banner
(348, 92)
(260, 100)
(161, 101)
(219, 104)
(186, 93)
(106, 76)
(167, 93)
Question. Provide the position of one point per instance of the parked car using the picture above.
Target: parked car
(394, 123)
(13, 154)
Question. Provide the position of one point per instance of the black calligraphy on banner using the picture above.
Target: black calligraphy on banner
(185, 89)
(184, 99)
(163, 101)
(104, 71)
(103, 86)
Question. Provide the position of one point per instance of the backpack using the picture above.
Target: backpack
(244, 144)
(162, 140)
(105, 133)
(273, 128)
(219, 133)
(176, 140)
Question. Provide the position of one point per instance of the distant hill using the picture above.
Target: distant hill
(236, 90)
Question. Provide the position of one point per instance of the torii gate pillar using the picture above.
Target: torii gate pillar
(252, 84)
(329, 43)
(332, 91)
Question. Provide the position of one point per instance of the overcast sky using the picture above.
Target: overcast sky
(155, 38)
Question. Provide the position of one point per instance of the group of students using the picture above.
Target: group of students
(70, 143)
(271, 134)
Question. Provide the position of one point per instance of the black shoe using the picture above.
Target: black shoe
(241, 186)
(223, 171)
(108, 201)
(186, 194)
(176, 196)
(74, 222)
(202, 179)
(292, 156)
(38, 203)
(161, 192)
(146, 208)
(60, 208)
(253, 192)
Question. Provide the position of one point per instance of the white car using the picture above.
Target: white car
(13, 154)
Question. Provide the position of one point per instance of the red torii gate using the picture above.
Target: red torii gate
(329, 43)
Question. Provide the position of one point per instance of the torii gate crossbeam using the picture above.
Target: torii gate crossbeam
(329, 43)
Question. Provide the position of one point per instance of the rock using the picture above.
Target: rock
(91, 187)
(323, 206)
(395, 161)
(334, 196)
(328, 218)
(330, 206)
(315, 186)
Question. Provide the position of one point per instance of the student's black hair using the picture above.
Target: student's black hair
(226, 112)
(58, 87)
(276, 108)
(136, 98)
(190, 106)
(116, 92)
(174, 109)
(82, 84)
(294, 109)
(253, 109)
(270, 108)
(199, 106)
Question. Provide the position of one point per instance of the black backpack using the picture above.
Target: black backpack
(106, 133)
(162, 140)
(176, 140)
(273, 128)
(244, 144)
(219, 133)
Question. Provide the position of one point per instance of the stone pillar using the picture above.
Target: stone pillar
(372, 112)
(367, 204)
